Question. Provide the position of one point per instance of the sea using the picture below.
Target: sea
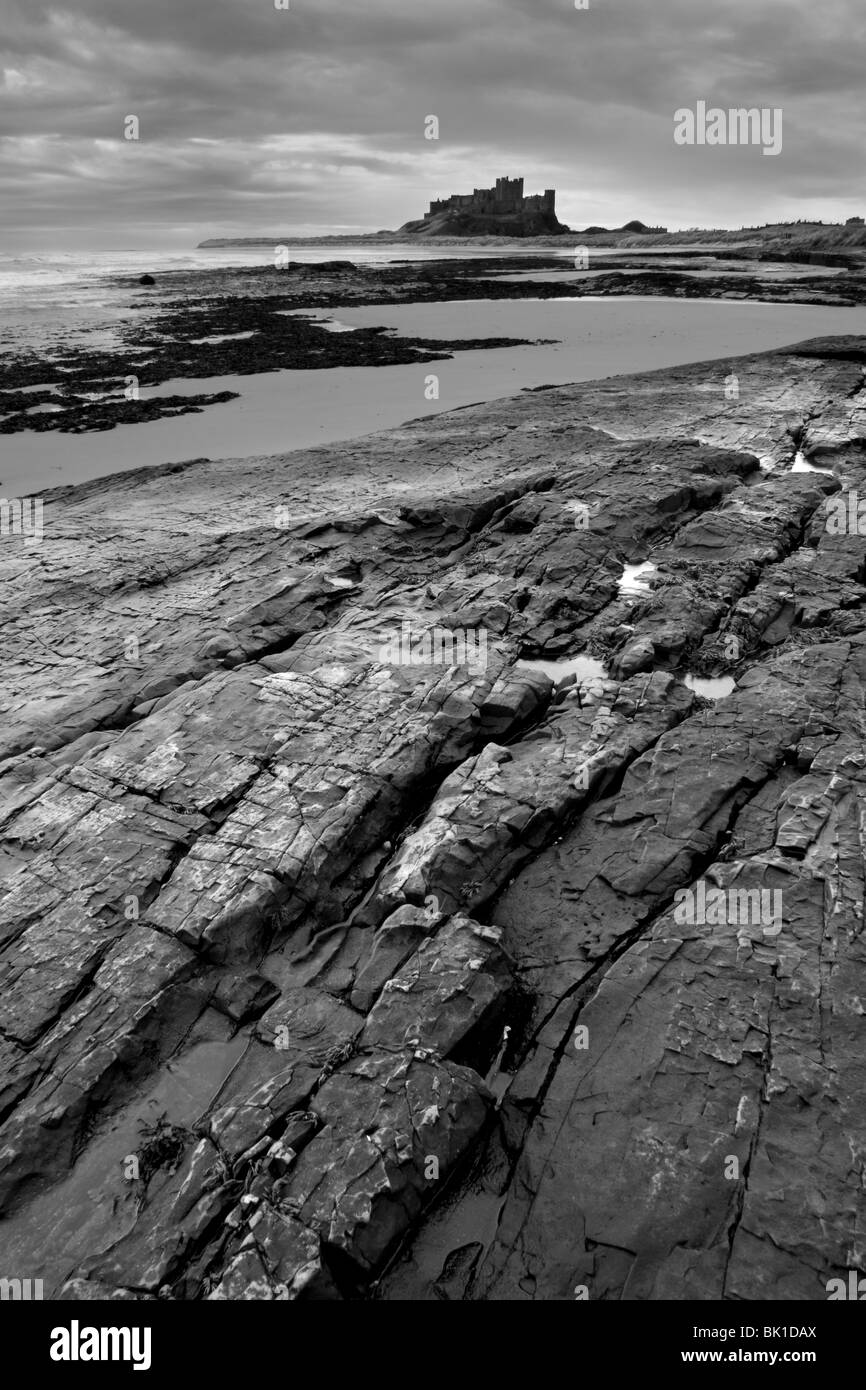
(73, 291)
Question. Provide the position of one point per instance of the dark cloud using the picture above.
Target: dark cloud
(253, 118)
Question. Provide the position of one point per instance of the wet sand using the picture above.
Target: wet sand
(281, 411)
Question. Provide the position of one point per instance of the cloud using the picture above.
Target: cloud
(253, 118)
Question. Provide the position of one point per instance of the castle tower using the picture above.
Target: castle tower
(509, 191)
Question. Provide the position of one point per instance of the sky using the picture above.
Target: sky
(311, 118)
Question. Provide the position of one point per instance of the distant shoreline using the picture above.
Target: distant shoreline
(790, 237)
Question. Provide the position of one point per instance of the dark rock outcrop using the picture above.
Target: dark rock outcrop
(296, 932)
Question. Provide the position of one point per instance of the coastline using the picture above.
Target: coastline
(799, 237)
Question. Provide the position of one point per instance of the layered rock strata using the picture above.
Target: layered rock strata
(342, 945)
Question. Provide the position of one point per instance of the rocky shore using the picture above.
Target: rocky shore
(328, 975)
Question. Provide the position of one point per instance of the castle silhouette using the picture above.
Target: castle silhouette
(503, 210)
(506, 197)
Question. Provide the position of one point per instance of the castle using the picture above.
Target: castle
(506, 197)
(499, 211)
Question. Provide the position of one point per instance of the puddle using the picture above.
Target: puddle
(339, 582)
(630, 581)
(452, 1241)
(92, 1207)
(224, 337)
(712, 688)
(584, 667)
(802, 465)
